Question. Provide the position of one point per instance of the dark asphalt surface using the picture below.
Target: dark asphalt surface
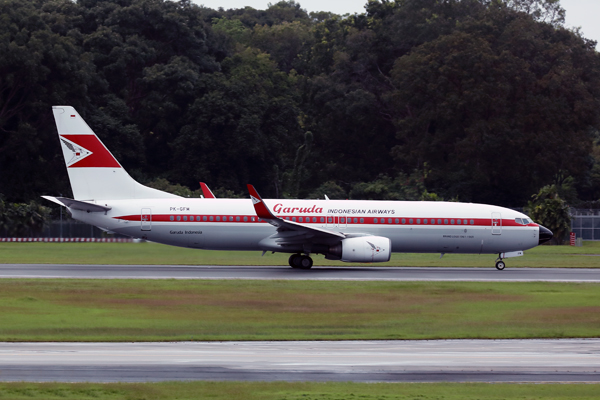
(284, 272)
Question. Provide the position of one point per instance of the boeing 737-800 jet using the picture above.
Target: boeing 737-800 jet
(346, 230)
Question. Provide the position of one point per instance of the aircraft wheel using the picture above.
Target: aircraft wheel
(500, 265)
(305, 262)
(294, 261)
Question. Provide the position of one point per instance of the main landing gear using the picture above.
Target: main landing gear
(300, 261)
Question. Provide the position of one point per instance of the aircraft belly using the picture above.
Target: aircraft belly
(433, 240)
(236, 237)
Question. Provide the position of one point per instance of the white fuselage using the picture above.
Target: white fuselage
(232, 224)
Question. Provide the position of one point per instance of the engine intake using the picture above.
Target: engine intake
(362, 249)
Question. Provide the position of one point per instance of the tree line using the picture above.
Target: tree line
(470, 100)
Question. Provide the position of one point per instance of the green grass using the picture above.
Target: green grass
(165, 310)
(587, 256)
(296, 391)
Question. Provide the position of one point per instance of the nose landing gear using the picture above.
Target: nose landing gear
(500, 265)
(300, 261)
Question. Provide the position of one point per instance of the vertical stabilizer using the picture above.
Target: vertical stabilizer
(95, 174)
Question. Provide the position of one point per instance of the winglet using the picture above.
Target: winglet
(208, 194)
(262, 211)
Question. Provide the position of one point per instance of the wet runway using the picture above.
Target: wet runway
(284, 272)
(571, 360)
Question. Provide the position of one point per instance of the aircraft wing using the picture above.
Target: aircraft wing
(290, 232)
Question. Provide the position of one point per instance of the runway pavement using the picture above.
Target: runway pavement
(574, 360)
(284, 272)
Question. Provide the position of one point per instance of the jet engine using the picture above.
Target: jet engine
(362, 249)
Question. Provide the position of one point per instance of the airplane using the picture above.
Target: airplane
(362, 231)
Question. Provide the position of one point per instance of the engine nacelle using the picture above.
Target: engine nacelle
(363, 249)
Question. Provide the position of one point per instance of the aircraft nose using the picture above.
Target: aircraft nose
(545, 234)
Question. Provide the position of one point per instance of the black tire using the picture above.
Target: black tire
(500, 265)
(294, 261)
(305, 262)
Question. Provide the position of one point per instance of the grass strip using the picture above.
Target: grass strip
(166, 310)
(587, 256)
(296, 391)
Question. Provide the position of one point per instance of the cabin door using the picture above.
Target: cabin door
(496, 223)
(146, 219)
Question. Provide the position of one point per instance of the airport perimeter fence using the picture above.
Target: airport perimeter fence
(585, 223)
(66, 231)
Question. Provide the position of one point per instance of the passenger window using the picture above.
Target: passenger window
(219, 219)
(322, 219)
(439, 221)
(314, 219)
(178, 218)
(172, 218)
(362, 220)
(410, 221)
(451, 222)
(253, 219)
(472, 222)
(418, 221)
(294, 219)
(375, 220)
(458, 221)
(245, 219)
(237, 219)
(211, 218)
(396, 220)
(185, 217)
(389, 220)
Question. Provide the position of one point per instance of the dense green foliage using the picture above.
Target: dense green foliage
(549, 209)
(20, 219)
(475, 100)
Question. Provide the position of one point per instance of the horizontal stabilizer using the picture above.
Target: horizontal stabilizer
(77, 204)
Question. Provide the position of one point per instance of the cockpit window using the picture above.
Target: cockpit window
(523, 221)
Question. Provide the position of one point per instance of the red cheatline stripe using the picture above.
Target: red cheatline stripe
(252, 219)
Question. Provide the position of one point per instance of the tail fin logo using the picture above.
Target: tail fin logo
(254, 200)
(79, 153)
(86, 152)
